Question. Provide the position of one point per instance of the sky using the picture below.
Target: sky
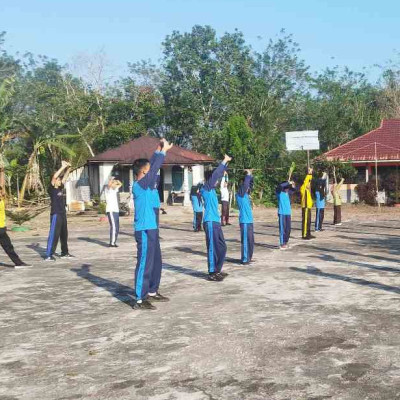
(354, 33)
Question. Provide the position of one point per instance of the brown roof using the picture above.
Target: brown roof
(144, 147)
(386, 137)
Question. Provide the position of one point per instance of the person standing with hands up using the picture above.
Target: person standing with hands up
(58, 214)
(149, 262)
(306, 206)
(246, 218)
(112, 209)
(216, 246)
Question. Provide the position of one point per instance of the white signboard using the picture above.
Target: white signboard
(302, 140)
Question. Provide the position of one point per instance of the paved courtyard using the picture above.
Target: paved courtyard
(320, 321)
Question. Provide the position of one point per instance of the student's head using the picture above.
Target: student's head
(320, 187)
(2, 192)
(194, 190)
(141, 167)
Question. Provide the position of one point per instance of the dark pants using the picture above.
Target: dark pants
(149, 263)
(197, 221)
(7, 246)
(58, 230)
(225, 213)
(113, 219)
(247, 240)
(157, 212)
(285, 226)
(319, 218)
(337, 214)
(306, 222)
(216, 246)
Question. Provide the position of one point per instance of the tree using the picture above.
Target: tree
(203, 77)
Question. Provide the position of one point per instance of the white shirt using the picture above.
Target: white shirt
(112, 200)
(224, 190)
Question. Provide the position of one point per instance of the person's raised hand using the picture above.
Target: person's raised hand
(249, 171)
(227, 158)
(166, 145)
(310, 171)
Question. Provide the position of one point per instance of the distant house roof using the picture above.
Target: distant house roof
(144, 147)
(386, 137)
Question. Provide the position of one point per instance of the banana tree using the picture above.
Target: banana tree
(6, 93)
(32, 179)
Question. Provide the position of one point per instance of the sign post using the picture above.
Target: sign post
(302, 140)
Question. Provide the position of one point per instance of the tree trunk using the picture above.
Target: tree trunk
(86, 143)
(25, 181)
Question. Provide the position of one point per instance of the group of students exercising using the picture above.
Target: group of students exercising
(206, 215)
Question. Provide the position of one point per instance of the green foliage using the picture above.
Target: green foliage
(118, 134)
(20, 216)
(342, 170)
(102, 208)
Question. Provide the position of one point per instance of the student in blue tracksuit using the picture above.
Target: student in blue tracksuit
(149, 264)
(246, 218)
(197, 204)
(320, 195)
(283, 192)
(216, 247)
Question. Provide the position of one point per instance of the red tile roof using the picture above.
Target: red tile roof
(144, 147)
(386, 137)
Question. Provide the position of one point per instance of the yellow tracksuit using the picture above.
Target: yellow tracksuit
(306, 205)
(2, 214)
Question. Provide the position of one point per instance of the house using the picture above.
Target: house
(182, 168)
(378, 149)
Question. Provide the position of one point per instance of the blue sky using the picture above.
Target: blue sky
(355, 33)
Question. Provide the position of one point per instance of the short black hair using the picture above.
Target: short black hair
(139, 164)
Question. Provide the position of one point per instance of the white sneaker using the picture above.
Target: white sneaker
(23, 265)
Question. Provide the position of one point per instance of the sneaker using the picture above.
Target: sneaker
(215, 277)
(22, 265)
(223, 274)
(143, 305)
(51, 258)
(306, 238)
(113, 245)
(158, 297)
(312, 237)
(339, 224)
(66, 256)
(245, 262)
(283, 247)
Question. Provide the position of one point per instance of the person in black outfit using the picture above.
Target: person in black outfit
(5, 241)
(58, 215)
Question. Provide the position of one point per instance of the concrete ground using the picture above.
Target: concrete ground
(320, 321)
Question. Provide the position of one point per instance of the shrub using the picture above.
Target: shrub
(102, 207)
(367, 192)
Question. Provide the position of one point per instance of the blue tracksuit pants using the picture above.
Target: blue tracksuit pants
(113, 219)
(319, 218)
(247, 240)
(285, 226)
(58, 231)
(216, 246)
(149, 263)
